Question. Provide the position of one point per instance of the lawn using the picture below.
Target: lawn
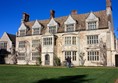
(36, 74)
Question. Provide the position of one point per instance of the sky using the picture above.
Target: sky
(11, 11)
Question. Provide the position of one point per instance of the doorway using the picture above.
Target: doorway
(47, 59)
(116, 60)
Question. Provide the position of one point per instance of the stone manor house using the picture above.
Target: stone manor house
(87, 38)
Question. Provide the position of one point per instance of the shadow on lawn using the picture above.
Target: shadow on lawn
(67, 79)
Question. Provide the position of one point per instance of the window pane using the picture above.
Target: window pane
(92, 39)
(67, 40)
(35, 43)
(47, 41)
(35, 56)
(52, 29)
(3, 45)
(22, 32)
(74, 55)
(21, 56)
(91, 25)
(93, 56)
(36, 31)
(74, 40)
(21, 44)
(70, 27)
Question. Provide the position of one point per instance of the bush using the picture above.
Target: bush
(57, 61)
(39, 61)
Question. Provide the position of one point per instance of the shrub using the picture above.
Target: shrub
(57, 61)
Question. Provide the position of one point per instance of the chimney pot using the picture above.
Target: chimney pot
(25, 17)
(108, 3)
(74, 12)
(52, 13)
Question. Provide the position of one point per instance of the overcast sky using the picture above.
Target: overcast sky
(11, 11)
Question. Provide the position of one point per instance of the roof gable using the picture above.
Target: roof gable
(22, 27)
(36, 24)
(5, 37)
(70, 20)
(79, 18)
(52, 22)
(12, 37)
(92, 17)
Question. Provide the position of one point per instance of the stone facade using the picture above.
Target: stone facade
(7, 48)
(90, 34)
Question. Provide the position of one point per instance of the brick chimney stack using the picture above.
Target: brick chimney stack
(108, 7)
(108, 3)
(74, 12)
(25, 17)
(52, 13)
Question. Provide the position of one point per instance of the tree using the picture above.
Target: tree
(13, 54)
(103, 52)
(39, 51)
(82, 60)
(57, 61)
(27, 51)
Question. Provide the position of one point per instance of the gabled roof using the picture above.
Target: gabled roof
(22, 27)
(7, 36)
(36, 24)
(52, 22)
(12, 37)
(91, 16)
(79, 18)
(69, 20)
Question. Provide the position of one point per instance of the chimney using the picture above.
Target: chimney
(73, 12)
(52, 13)
(108, 7)
(25, 17)
(108, 3)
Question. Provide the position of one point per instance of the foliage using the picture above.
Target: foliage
(103, 52)
(82, 60)
(39, 61)
(56, 61)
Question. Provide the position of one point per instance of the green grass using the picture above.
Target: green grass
(36, 74)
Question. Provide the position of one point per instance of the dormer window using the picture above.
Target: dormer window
(70, 24)
(92, 22)
(92, 25)
(36, 31)
(52, 29)
(36, 28)
(69, 27)
(22, 32)
(52, 26)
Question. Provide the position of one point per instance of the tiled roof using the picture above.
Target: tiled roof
(12, 37)
(80, 19)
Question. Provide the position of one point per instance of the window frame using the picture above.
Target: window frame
(93, 56)
(52, 29)
(70, 28)
(35, 57)
(21, 56)
(92, 25)
(92, 39)
(47, 41)
(22, 33)
(35, 43)
(36, 32)
(3, 45)
(70, 40)
(21, 45)
(72, 54)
